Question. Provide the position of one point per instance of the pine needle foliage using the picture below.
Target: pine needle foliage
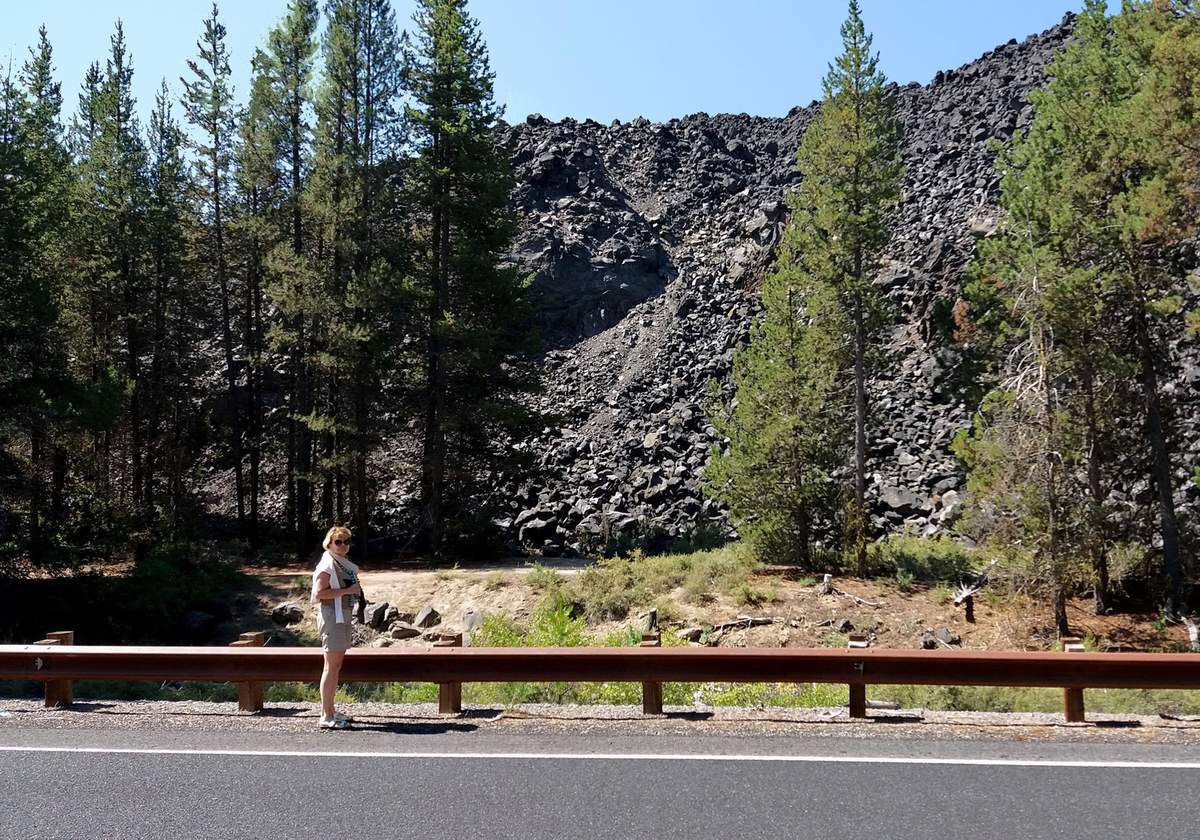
(802, 410)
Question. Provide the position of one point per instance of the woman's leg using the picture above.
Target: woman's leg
(329, 680)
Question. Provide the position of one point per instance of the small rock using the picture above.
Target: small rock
(690, 634)
(289, 612)
(376, 614)
(948, 637)
(843, 625)
(472, 620)
(928, 641)
(443, 635)
(404, 631)
(198, 623)
(428, 617)
(395, 614)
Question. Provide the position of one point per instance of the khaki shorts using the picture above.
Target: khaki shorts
(334, 636)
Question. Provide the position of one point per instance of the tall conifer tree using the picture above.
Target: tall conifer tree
(176, 325)
(1103, 184)
(359, 142)
(476, 327)
(209, 106)
(850, 163)
(292, 280)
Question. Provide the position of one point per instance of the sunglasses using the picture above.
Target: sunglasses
(341, 542)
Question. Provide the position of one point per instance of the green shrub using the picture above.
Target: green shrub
(617, 585)
(497, 631)
(697, 589)
(750, 595)
(495, 581)
(925, 558)
(941, 595)
(668, 610)
(542, 579)
(607, 590)
(553, 626)
(904, 580)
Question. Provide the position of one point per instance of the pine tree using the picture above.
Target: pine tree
(355, 180)
(38, 174)
(1035, 430)
(784, 429)
(1101, 183)
(850, 162)
(176, 324)
(25, 310)
(476, 327)
(117, 198)
(255, 234)
(209, 106)
(292, 280)
(85, 314)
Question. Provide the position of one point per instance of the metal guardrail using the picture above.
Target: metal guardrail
(58, 664)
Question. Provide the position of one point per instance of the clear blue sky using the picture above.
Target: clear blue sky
(603, 59)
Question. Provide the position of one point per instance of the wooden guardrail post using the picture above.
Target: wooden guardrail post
(59, 692)
(450, 693)
(652, 701)
(250, 693)
(1073, 697)
(858, 693)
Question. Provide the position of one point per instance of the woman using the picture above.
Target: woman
(334, 579)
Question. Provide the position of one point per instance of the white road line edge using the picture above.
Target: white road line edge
(517, 756)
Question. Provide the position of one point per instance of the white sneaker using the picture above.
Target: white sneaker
(334, 723)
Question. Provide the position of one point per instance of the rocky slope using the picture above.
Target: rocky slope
(647, 241)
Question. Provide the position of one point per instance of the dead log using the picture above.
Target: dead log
(972, 588)
(743, 622)
(826, 587)
(1193, 633)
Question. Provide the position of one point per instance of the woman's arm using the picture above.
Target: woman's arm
(327, 593)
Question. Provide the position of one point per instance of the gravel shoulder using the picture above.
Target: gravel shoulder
(19, 718)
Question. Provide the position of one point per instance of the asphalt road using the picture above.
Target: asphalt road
(97, 784)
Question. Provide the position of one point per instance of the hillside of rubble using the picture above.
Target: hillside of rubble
(647, 241)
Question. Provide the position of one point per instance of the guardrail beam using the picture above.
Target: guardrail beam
(449, 667)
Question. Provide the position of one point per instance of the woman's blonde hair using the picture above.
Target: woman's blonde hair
(337, 532)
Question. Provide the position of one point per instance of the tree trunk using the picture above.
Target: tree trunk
(1060, 612)
(295, 354)
(1050, 464)
(860, 439)
(1161, 470)
(133, 351)
(37, 457)
(433, 460)
(304, 450)
(327, 509)
(1096, 496)
(58, 480)
(235, 423)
